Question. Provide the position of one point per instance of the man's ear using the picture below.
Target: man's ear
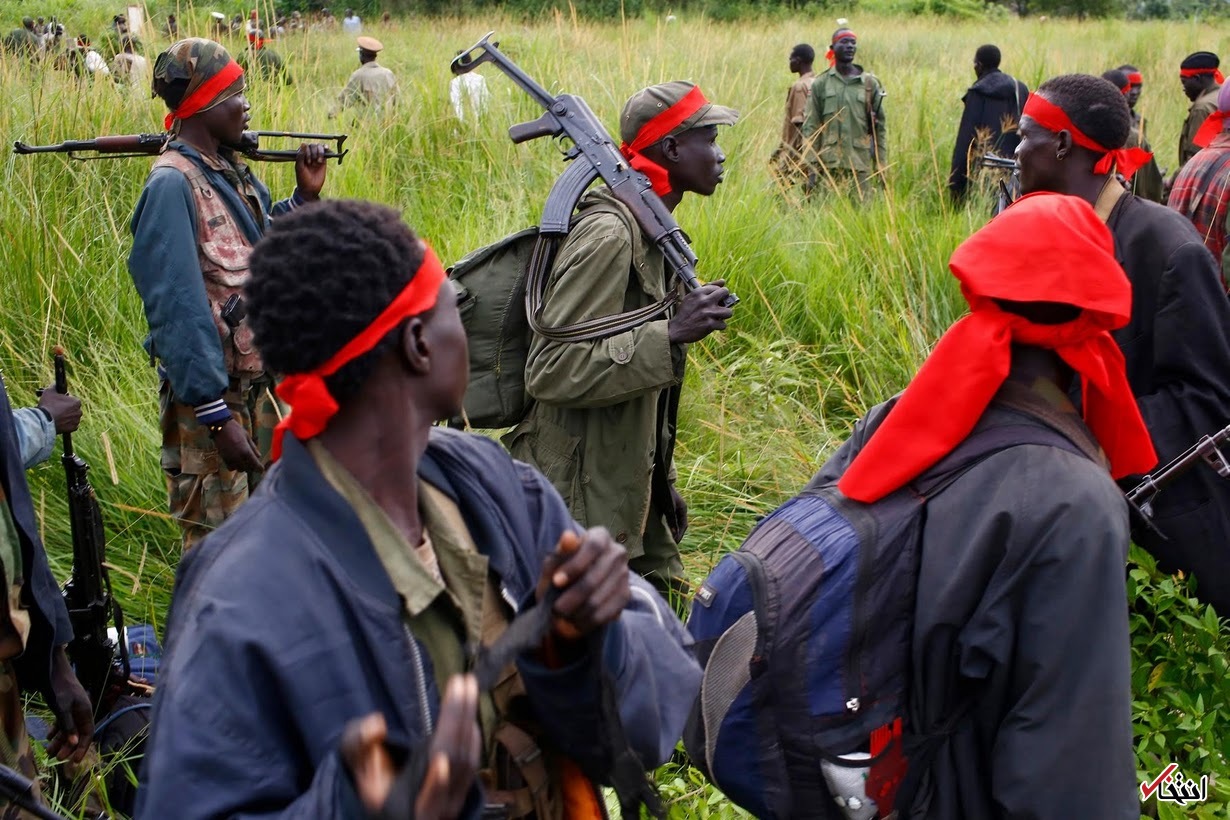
(414, 347)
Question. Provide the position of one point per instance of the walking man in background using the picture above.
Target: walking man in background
(788, 159)
(371, 84)
(199, 215)
(845, 136)
(991, 119)
(1201, 191)
(602, 427)
(1148, 182)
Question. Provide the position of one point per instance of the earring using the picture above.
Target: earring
(1059, 155)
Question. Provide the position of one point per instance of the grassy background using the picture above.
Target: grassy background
(840, 302)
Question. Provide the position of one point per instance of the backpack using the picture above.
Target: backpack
(804, 634)
(500, 291)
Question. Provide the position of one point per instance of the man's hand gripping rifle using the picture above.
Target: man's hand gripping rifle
(595, 156)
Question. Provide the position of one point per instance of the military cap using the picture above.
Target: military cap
(369, 44)
(650, 102)
(1200, 59)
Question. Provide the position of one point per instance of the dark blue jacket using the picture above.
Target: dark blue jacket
(285, 626)
(49, 624)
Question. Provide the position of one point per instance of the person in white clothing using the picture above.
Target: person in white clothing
(468, 94)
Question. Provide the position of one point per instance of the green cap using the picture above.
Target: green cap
(650, 102)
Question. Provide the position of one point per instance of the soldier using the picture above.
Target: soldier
(1149, 180)
(845, 132)
(130, 66)
(370, 84)
(1201, 81)
(193, 228)
(990, 121)
(23, 42)
(34, 627)
(602, 427)
(264, 61)
(788, 158)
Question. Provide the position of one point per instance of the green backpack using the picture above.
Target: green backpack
(500, 291)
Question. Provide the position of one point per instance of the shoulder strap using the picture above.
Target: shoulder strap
(981, 445)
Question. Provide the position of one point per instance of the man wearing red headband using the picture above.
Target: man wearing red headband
(989, 120)
(1201, 191)
(1020, 627)
(1177, 344)
(1201, 78)
(1148, 181)
(201, 212)
(377, 556)
(602, 426)
(845, 132)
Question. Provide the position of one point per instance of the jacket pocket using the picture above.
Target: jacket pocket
(556, 454)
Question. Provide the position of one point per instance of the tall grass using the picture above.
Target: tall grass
(840, 299)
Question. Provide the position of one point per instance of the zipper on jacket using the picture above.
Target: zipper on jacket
(420, 680)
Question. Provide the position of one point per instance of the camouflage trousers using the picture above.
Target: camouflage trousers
(202, 491)
(15, 749)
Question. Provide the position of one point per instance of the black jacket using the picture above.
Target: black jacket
(49, 624)
(1177, 351)
(992, 100)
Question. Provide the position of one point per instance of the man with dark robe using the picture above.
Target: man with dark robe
(990, 119)
(1177, 344)
(1020, 652)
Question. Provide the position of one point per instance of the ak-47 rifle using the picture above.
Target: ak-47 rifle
(91, 607)
(1207, 449)
(1010, 188)
(143, 145)
(593, 155)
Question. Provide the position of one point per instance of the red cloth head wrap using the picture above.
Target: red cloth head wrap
(311, 405)
(1213, 125)
(1196, 72)
(1054, 119)
(1044, 248)
(1136, 78)
(654, 132)
(841, 33)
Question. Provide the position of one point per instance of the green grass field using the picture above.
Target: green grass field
(840, 302)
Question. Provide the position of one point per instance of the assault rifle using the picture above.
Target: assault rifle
(1010, 188)
(595, 156)
(1207, 449)
(143, 145)
(88, 592)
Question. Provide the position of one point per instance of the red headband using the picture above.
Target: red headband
(1052, 118)
(1196, 72)
(207, 93)
(829, 55)
(1135, 78)
(1126, 88)
(1210, 128)
(654, 131)
(311, 404)
(1044, 247)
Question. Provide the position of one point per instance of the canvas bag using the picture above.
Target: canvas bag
(804, 634)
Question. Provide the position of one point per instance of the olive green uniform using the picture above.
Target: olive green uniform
(371, 84)
(602, 428)
(845, 131)
(1147, 181)
(1199, 111)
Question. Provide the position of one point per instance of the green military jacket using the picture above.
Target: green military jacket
(1147, 182)
(1199, 111)
(838, 130)
(595, 429)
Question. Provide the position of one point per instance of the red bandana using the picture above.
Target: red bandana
(1136, 78)
(1196, 72)
(829, 55)
(1126, 88)
(205, 94)
(311, 405)
(1211, 127)
(654, 132)
(1045, 247)
(1052, 118)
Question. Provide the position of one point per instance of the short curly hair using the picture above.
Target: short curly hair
(319, 276)
(1094, 105)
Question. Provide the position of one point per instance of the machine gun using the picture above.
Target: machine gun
(1010, 188)
(144, 145)
(593, 155)
(91, 607)
(1207, 449)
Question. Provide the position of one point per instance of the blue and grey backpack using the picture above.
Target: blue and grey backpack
(804, 634)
